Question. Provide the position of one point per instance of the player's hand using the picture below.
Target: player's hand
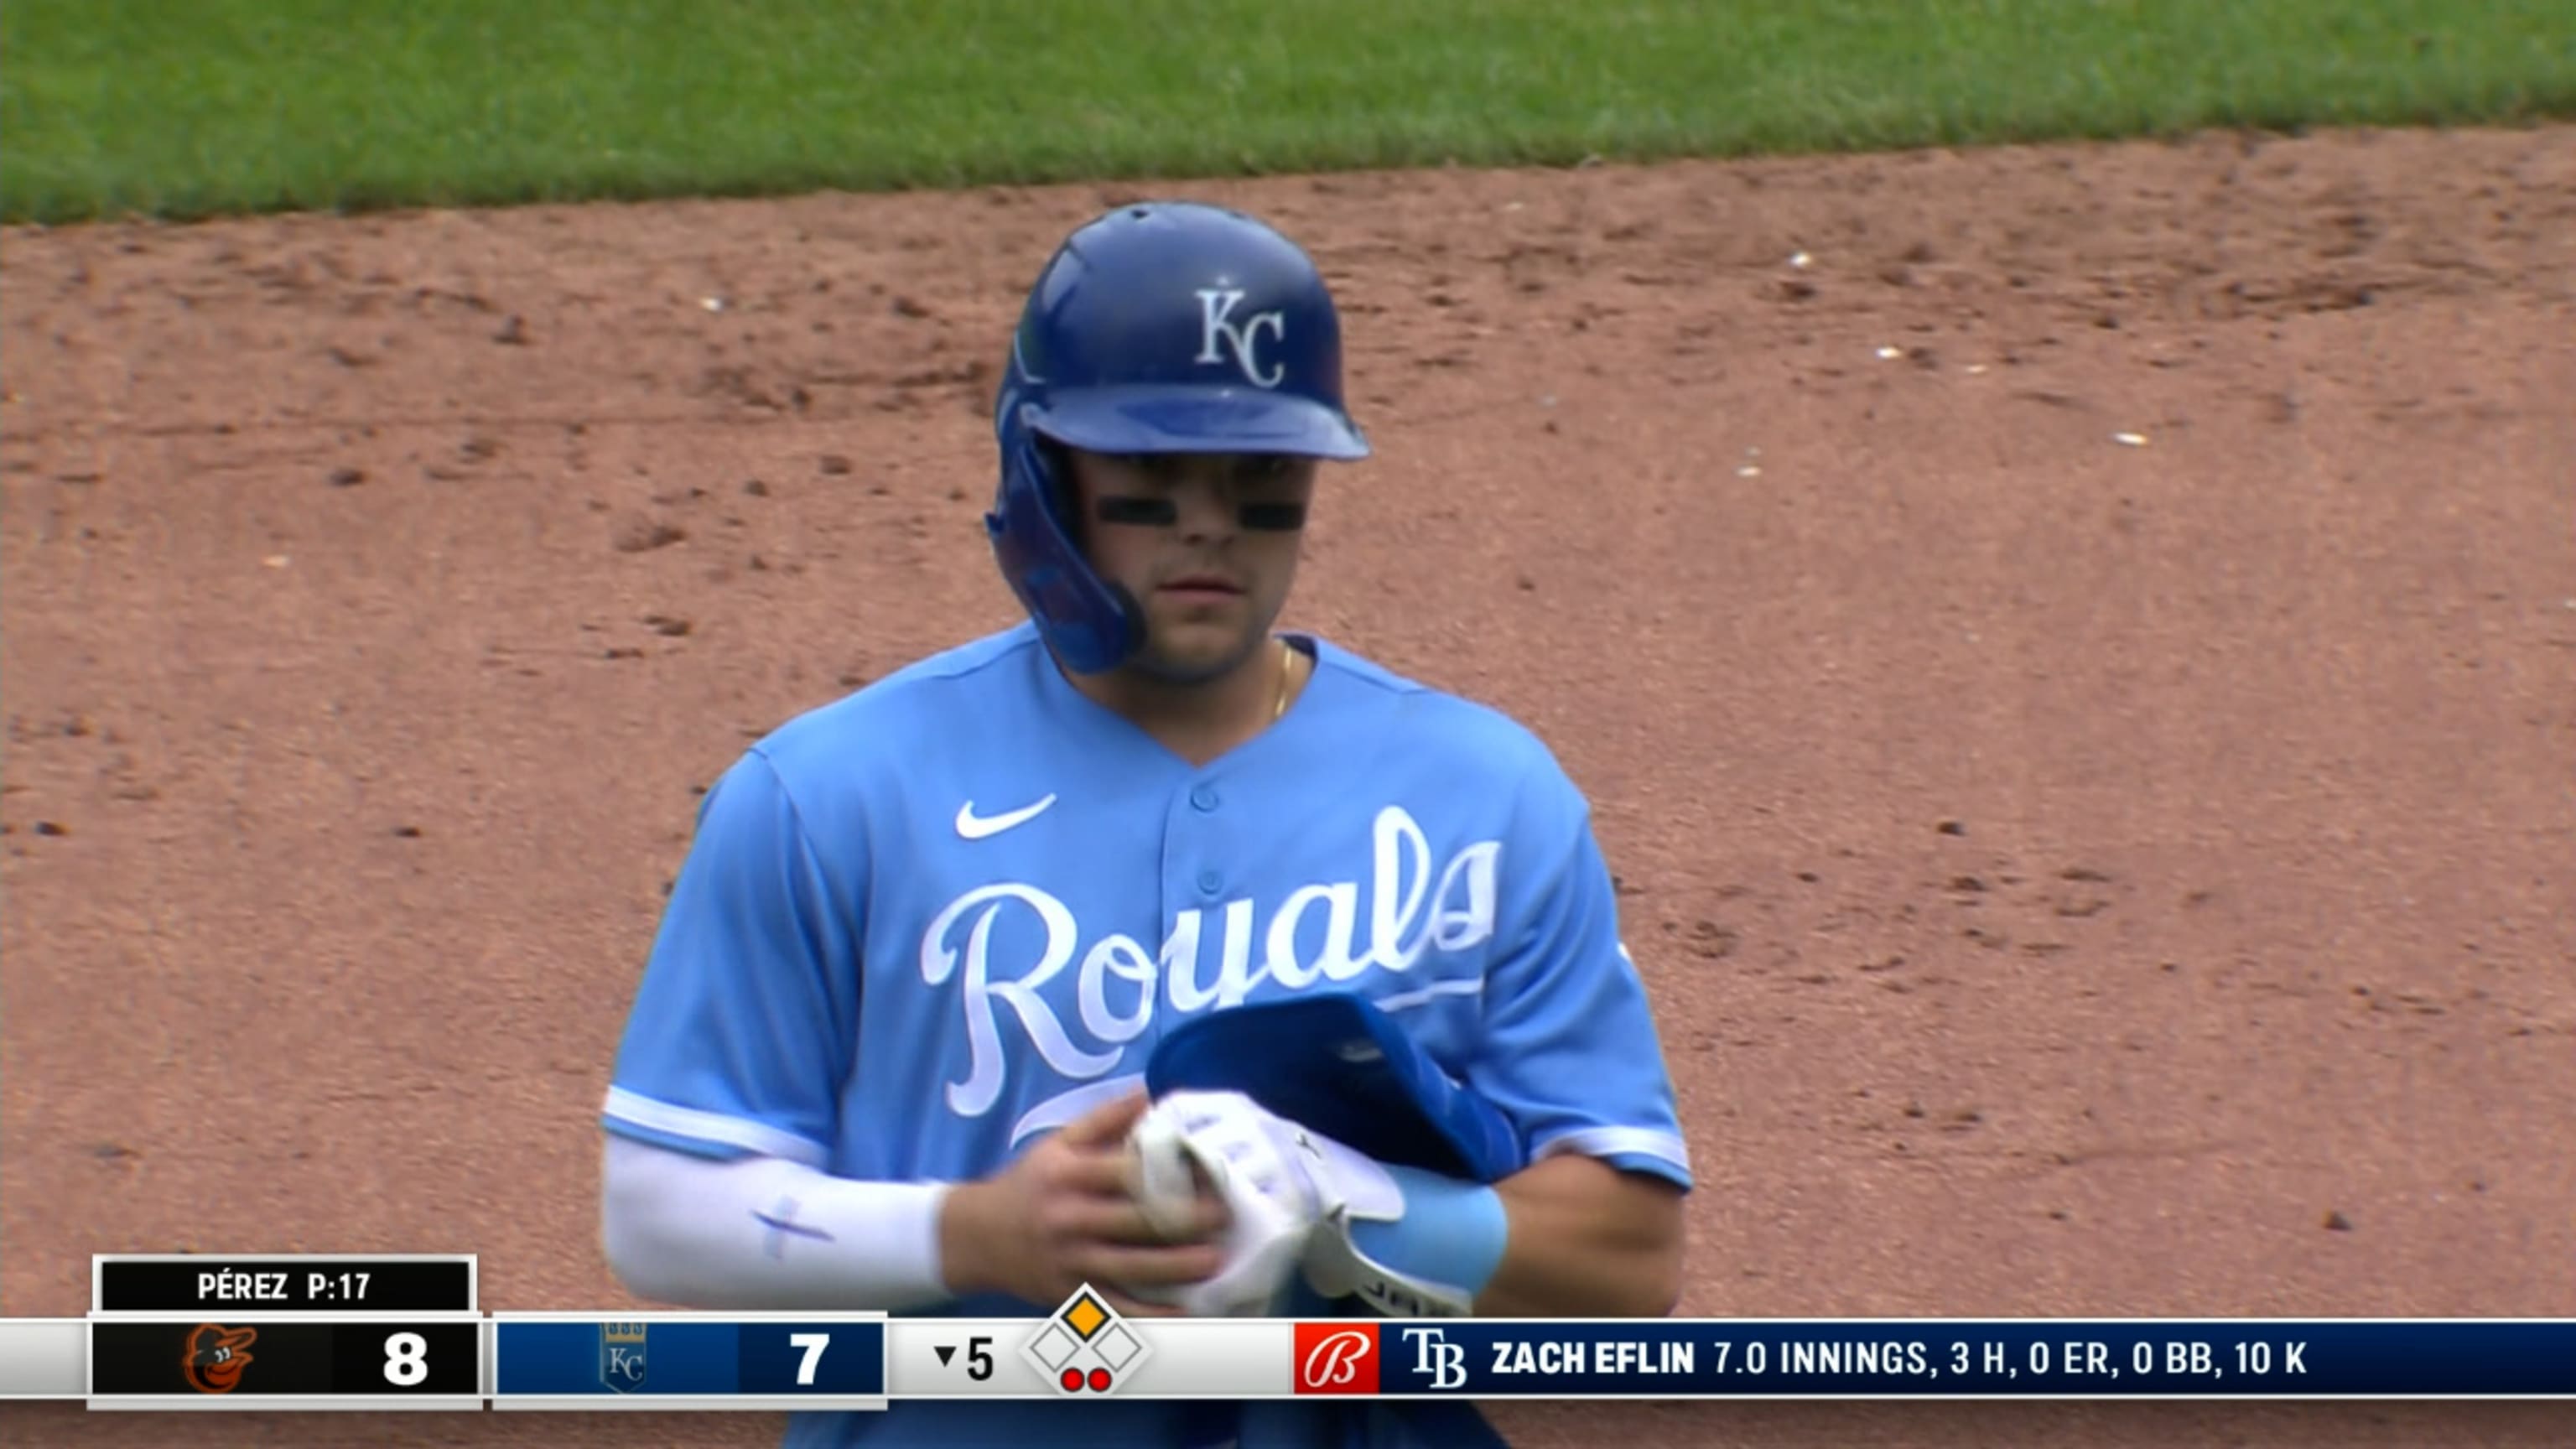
(1061, 1216)
(1193, 1143)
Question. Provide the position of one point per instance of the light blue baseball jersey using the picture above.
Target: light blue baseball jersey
(926, 923)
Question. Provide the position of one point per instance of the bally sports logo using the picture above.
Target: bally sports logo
(1337, 1358)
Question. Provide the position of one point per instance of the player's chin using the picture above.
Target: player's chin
(1182, 666)
(1190, 651)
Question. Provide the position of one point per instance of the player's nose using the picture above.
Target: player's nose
(1205, 507)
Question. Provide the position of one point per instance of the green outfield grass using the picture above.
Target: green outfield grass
(189, 107)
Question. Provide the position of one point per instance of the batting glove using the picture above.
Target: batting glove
(1248, 1158)
(1405, 1242)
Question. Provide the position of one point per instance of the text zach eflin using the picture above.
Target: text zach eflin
(1603, 1356)
(1444, 1364)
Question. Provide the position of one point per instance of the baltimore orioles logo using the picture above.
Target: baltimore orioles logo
(216, 1357)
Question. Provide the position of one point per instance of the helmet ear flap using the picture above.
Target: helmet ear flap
(1063, 495)
(1091, 624)
(1064, 500)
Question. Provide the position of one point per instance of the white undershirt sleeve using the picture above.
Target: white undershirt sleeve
(764, 1233)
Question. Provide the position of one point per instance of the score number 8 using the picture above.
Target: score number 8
(406, 1359)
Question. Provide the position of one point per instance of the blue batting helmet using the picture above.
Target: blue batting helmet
(1167, 327)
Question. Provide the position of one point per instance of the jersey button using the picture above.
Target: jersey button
(1204, 797)
(1210, 883)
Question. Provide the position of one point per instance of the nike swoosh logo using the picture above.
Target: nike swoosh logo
(976, 827)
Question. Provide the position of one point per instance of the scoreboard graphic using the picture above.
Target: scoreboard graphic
(186, 1331)
(277, 1362)
(688, 1361)
(193, 1332)
(1085, 1346)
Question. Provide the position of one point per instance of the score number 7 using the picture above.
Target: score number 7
(813, 1344)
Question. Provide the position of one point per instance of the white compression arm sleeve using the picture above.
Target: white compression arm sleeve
(764, 1233)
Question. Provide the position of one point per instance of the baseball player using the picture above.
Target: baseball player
(888, 1049)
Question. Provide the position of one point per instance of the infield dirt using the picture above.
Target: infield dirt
(2073, 651)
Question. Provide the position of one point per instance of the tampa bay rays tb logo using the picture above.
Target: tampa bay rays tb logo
(621, 1356)
(1216, 324)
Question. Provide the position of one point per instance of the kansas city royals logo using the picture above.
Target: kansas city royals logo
(1413, 906)
(621, 1356)
(1217, 328)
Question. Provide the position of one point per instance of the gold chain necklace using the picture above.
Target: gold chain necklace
(1287, 673)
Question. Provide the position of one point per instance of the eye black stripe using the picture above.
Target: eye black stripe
(1148, 512)
(1273, 517)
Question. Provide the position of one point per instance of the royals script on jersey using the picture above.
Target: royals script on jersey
(924, 924)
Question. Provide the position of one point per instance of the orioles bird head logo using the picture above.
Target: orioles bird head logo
(216, 1357)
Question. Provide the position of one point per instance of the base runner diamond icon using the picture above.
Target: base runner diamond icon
(1085, 1347)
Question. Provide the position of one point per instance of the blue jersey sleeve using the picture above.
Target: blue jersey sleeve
(1570, 1051)
(745, 1022)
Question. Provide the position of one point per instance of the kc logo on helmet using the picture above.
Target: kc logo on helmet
(1337, 1358)
(1217, 325)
